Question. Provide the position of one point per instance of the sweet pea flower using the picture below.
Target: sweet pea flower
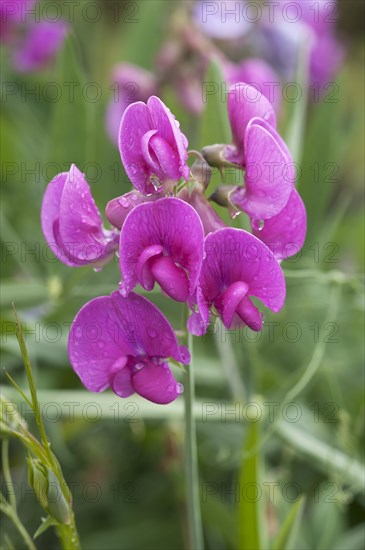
(284, 233)
(270, 175)
(71, 222)
(125, 343)
(245, 103)
(130, 84)
(259, 74)
(39, 45)
(236, 267)
(152, 147)
(162, 241)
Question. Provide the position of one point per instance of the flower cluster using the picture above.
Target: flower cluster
(33, 43)
(167, 233)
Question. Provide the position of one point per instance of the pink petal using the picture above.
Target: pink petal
(152, 145)
(156, 383)
(269, 178)
(235, 256)
(80, 224)
(285, 233)
(168, 222)
(245, 103)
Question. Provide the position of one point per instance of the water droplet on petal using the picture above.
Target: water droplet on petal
(258, 225)
(151, 332)
(179, 388)
(138, 366)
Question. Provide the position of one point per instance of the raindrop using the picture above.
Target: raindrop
(151, 332)
(138, 366)
(257, 225)
(179, 388)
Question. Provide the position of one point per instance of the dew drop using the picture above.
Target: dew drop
(151, 332)
(138, 366)
(179, 388)
(257, 225)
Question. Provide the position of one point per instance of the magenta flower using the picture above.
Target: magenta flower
(162, 241)
(152, 147)
(260, 75)
(237, 266)
(270, 175)
(71, 222)
(124, 343)
(284, 233)
(244, 103)
(118, 209)
(130, 84)
(39, 45)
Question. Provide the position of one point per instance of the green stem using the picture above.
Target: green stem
(196, 541)
(68, 535)
(7, 473)
(9, 511)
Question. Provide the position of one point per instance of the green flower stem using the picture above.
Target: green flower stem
(7, 473)
(9, 511)
(68, 534)
(196, 541)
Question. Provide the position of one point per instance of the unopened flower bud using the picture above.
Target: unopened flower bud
(201, 172)
(38, 480)
(222, 195)
(48, 491)
(214, 155)
(57, 504)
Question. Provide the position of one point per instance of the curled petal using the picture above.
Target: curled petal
(269, 175)
(285, 233)
(50, 213)
(111, 334)
(152, 146)
(71, 222)
(238, 265)
(244, 103)
(175, 226)
(156, 383)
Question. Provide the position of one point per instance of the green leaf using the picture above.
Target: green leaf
(215, 126)
(46, 524)
(251, 529)
(286, 536)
